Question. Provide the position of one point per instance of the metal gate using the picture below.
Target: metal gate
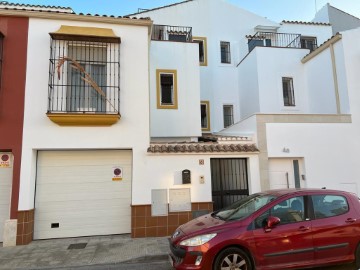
(229, 181)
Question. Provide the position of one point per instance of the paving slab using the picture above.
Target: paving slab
(99, 250)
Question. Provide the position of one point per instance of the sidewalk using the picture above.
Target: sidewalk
(99, 250)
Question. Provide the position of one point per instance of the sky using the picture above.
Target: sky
(276, 10)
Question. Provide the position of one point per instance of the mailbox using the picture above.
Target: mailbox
(186, 177)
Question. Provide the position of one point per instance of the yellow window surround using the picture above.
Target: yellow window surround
(204, 41)
(174, 105)
(207, 104)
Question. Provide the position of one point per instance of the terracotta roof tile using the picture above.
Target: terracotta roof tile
(308, 23)
(201, 148)
(6, 4)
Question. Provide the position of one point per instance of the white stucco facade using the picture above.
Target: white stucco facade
(131, 132)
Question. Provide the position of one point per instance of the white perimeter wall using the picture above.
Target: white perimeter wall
(186, 120)
(131, 132)
(164, 172)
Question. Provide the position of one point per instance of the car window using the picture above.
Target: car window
(329, 205)
(244, 207)
(290, 210)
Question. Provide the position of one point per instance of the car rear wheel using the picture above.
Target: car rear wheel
(233, 259)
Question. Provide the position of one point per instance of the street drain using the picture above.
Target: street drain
(77, 246)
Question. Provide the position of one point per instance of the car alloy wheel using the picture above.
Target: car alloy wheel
(233, 259)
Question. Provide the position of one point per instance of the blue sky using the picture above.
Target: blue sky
(276, 10)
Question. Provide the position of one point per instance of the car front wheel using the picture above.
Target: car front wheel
(233, 259)
(357, 256)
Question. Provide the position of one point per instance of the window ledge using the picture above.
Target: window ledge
(75, 119)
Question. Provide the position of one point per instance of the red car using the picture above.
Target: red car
(277, 229)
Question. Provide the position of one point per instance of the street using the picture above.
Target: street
(164, 265)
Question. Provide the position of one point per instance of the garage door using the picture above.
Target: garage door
(6, 170)
(81, 193)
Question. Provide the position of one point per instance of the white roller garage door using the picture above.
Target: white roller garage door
(76, 194)
(6, 170)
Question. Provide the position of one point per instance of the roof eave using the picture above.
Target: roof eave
(75, 17)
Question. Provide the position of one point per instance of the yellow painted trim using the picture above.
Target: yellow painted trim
(74, 119)
(204, 40)
(85, 31)
(207, 103)
(158, 87)
(322, 48)
(335, 76)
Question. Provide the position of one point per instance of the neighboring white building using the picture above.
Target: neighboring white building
(339, 20)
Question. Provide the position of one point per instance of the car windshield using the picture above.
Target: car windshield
(244, 207)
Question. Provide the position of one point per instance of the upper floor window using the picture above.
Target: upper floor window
(202, 49)
(1, 54)
(329, 205)
(84, 71)
(166, 81)
(288, 91)
(225, 52)
(308, 43)
(228, 115)
(205, 115)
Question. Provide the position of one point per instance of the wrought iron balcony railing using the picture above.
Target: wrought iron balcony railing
(281, 40)
(172, 33)
(84, 77)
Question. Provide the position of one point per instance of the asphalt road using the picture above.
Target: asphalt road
(164, 265)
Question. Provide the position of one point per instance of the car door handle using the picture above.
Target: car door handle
(350, 220)
(303, 228)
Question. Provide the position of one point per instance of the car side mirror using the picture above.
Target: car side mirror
(271, 223)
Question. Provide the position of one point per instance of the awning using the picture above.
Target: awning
(78, 33)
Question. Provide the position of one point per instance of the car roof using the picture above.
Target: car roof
(282, 192)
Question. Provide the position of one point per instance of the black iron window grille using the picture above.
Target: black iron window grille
(1, 55)
(288, 91)
(225, 52)
(84, 75)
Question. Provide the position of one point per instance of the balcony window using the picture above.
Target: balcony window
(308, 43)
(288, 91)
(166, 81)
(225, 52)
(84, 75)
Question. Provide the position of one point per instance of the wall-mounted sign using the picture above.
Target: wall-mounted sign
(5, 161)
(117, 174)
